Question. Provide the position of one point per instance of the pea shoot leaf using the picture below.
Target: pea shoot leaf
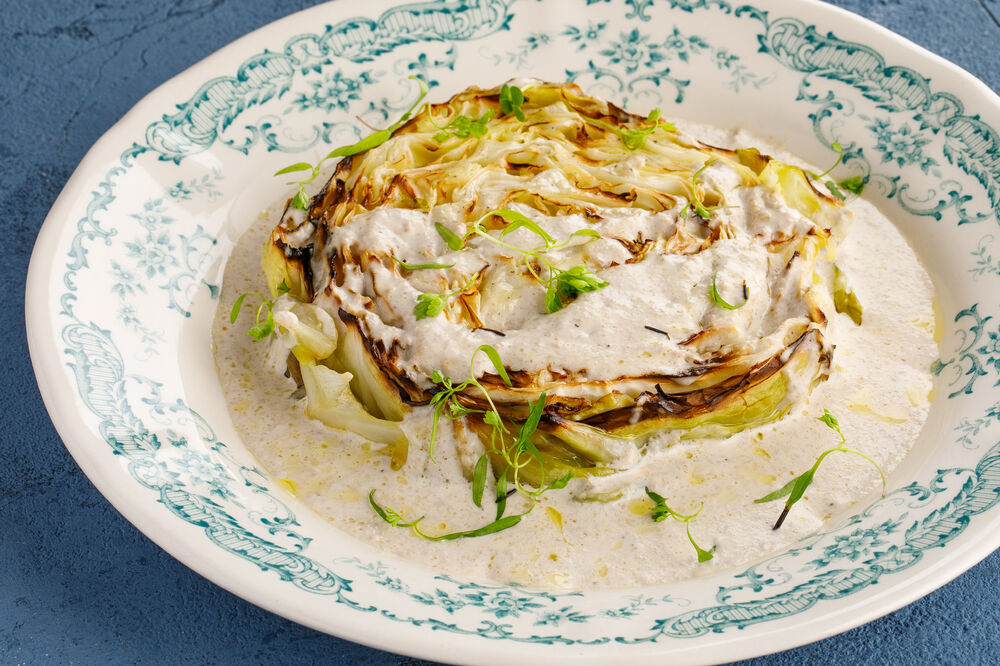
(494, 356)
(552, 301)
(263, 322)
(635, 138)
(511, 99)
(703, 555)
(451, 239)
(661, 512)
(420, 267)
(291, 168)
(840, 156)
(517, 220)
(463, 127)
(779, 493)
(568, 284)
(389, 515)
(262, 329)
(429, 305)
(301, 199)
(855, 184)
(796, 488)
(660, 509)
(561, 482)
(491, 419)
(479, 480)
(501, 498)
(396, 520)
(830, 420)
(721, 302)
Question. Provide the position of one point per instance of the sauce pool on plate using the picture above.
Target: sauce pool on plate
(599, 531)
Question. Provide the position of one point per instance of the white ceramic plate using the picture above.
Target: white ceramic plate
(125, 270)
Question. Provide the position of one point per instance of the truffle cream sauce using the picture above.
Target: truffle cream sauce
(879, 389)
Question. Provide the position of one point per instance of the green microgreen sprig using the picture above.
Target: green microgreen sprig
(301, 199)
(519, 453)
(795, 488)
(264, 320)
(430, 304)
(396, 520)
(463, 127)
(565, 285)
(445, 401)
(721, 302)
(511, 99)
(562, 285)
(661, 511)
(479, 480)
(695, 204)
(515, 455)
(635, 138)
(420, 267)
(451, 239)
(854, 184)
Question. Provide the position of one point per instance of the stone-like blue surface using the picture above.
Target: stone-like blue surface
(78, 584)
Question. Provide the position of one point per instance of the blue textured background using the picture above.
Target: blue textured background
(78, 584)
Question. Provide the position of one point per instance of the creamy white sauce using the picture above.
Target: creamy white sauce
(879, 389)
(601, 336)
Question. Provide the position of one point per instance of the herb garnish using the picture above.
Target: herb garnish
(393, 518)
(511, 99)
(479, 480)
(568, 284)
(695, 204)
(855, 184)
(420, 267)
(515, 456)
(446, 401)
(301, 199)
(562, 285)
(634, 139)
(721, 302)
(795, 488)
(264, 321)
(451, 239)
(430, 304)
(661, 512)
(840, 157)
(463, 127)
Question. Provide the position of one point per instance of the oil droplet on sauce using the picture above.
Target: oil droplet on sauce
(640, 505)
(555, 517)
